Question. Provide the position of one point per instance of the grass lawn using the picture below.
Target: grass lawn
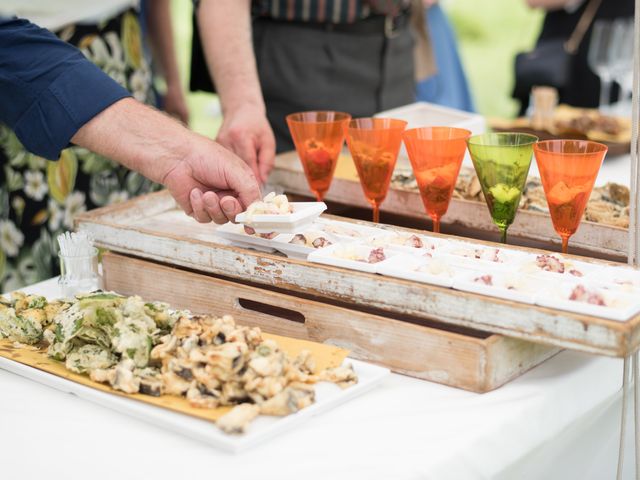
(490, 33)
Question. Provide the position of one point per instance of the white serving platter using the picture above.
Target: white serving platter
(348, 231)
(301, 252)
(235, 233)
(463, 253)
(558, 298)
(331, 256)
(619, 279)
(406, 266)
(263, 428)
(506, 285)
(390, 239)
(303, 215)
(571, 267)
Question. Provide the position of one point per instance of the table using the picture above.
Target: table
(559, 420)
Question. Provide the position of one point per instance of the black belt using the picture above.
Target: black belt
(376, 24)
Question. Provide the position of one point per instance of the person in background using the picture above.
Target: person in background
(40, 198)
(449, 86)
(560, 21)
(346, 55)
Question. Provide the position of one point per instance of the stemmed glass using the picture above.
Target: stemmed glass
(436, 154)
(568, 170)
(599, 57)
(374, 144)
(622, 56)
(502, 162)
(318, 137)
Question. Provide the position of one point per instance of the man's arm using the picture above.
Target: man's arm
(225, 27)
(206, 180)
(161, 37)
(51, 95)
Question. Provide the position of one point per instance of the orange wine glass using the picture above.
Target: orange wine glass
(374, 144)
(436, 154)
(568, 170)
(318, 137)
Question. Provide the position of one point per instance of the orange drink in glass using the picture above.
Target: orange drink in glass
(318, 137)
(568, 170)
(374, 144)
(436, 154)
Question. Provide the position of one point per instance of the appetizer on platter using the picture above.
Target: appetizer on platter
(311, 239)
(401, 240)
(553, 263)
(271, 204)
(351, 252)
(147, 348)
(251, 231)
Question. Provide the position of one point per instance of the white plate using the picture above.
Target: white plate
(303, 215)
(407, 267)
(398, 240)
(235, 233)
(332, 255)
(619, 279)
(260, 430)
(574, 271)
(281, 243)
(620, 306)
(466, 254)
(348, 231)
(508, 286)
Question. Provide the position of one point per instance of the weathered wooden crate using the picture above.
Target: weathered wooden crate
(152, 227)
(462, 358)
(464, 216)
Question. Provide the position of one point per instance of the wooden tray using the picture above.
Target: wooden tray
(471, 360)
(466, 217)
(152, 227)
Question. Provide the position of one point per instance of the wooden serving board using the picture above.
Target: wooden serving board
(152, 227)
(462, 216)
(471, 360)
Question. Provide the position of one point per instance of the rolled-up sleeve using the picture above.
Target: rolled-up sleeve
(48, 89)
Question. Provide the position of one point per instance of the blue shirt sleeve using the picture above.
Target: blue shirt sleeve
(48, 89)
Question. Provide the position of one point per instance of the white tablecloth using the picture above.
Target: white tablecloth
(559, 420)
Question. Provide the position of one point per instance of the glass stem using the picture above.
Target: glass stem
(503, 235)
(376, 213)
(605, 92)
(436, 224)
(565, 244)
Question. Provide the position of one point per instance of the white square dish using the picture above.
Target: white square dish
(348, 231)
(505, 285)
(554, 265)
(590, 299)
(432, 270)
(300, 251)
(353, 256)
(303, 215)
(481, 256)
(405, 242)
(236, 234)
(620, 279)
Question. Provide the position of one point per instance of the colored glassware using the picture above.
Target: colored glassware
(502, 162)
(436, 154)
(318, 137)
(568, 170)
(374, 144)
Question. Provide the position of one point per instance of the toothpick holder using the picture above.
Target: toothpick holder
(79, 273)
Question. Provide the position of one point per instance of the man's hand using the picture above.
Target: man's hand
(207, 181)
(248, 134)
(211, 183)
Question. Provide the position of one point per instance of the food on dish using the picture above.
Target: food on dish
(25, 318)
(343, 231)
(138, 347)
(311, 240)
(272, 204)
(435, 267)
(356, 254)
(400, 239)
(268, 236)
(487, 254)
(547, 262)
(582, 294)
(484, 279)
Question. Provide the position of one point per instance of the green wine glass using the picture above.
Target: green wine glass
(502, 162)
